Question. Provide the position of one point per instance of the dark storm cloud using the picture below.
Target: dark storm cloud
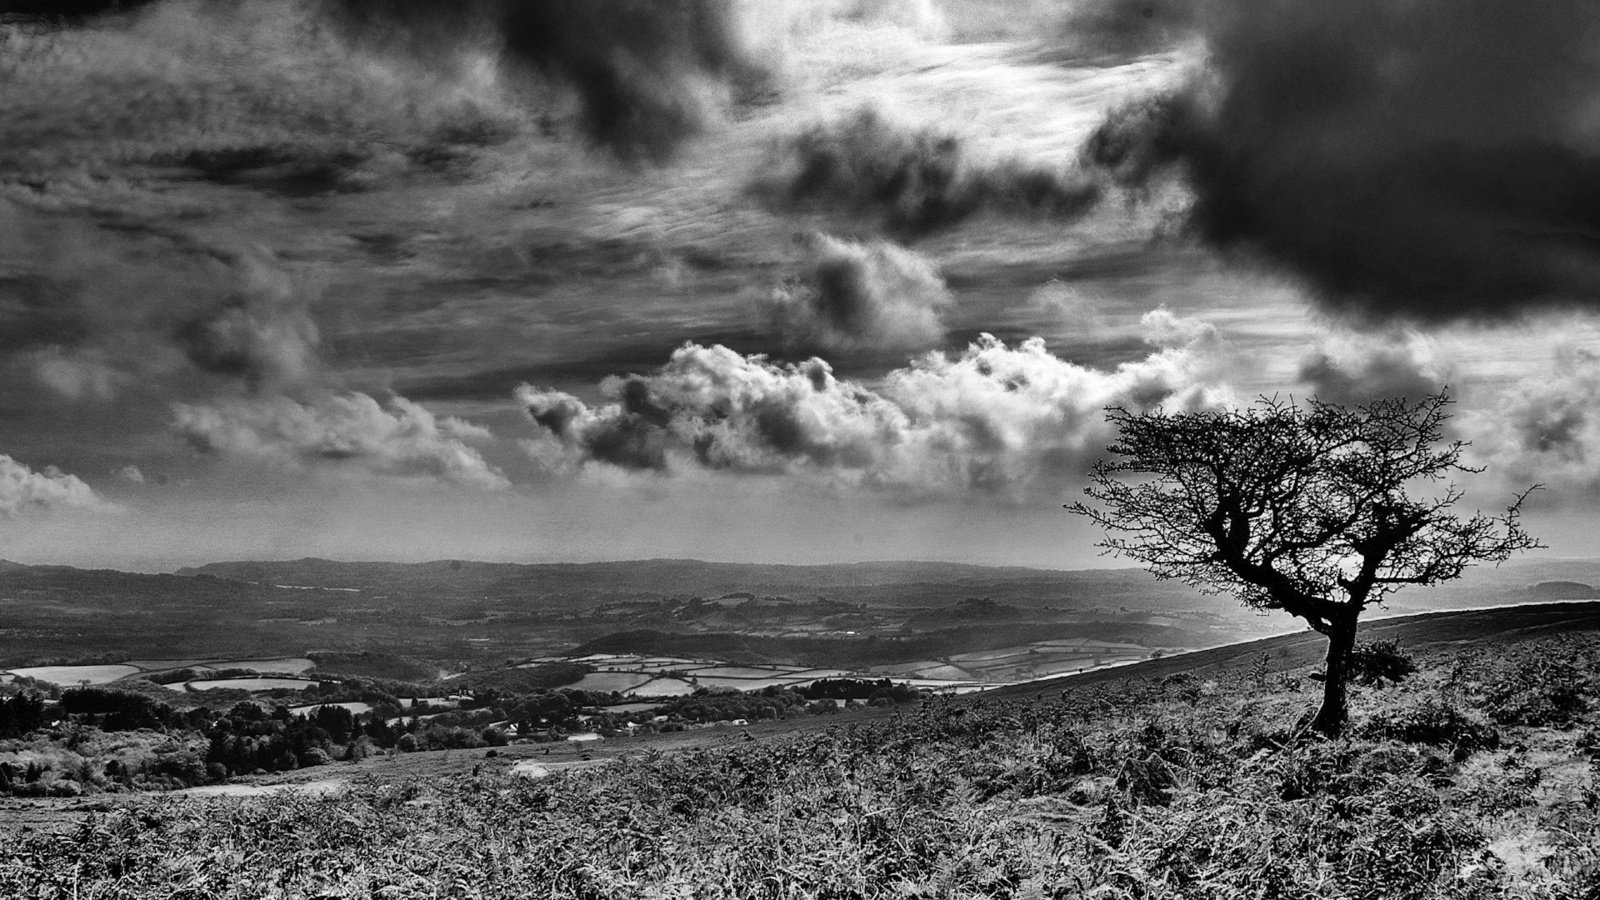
(873, 295)
(68, 8)
(916, 182)
(638, 67)
(1116, 28)
(1422, 160)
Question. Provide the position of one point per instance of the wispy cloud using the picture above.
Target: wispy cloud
(344, 432)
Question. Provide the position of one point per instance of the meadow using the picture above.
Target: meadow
(1476, 777)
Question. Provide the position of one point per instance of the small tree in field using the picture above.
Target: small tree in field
(1317, 510)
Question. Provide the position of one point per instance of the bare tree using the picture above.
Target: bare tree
(1317, 510)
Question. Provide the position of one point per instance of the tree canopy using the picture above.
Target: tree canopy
(1315, 509)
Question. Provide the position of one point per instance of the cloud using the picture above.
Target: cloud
(91, 313)
(1544, 428)
(1356, 369)
(1422, 161)
(643, 71)
(77, 375)
(261, 333)
(1006, 422)
(23, 489)
(1164, 328)
(344, 430)
(872, 295)
(916, 182)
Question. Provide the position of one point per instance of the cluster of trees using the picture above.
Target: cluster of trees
(21, 714)
(60, 748)
(52, 746)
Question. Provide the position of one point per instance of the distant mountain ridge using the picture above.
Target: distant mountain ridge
(674, 577)
(1523, 580)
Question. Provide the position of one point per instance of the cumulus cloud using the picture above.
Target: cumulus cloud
(347, 430)
(915, 181)
(1354, 369)
(642, 70)
(1545, 428)
(1424, 161)
(873, 295)
(1008, 422)
(23, 489)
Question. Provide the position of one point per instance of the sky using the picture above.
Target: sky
(762, 281)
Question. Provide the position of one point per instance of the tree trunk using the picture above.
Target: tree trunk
(1331, 717)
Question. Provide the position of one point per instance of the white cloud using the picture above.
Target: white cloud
(1009, 422)
(23, 489)
(350, 430)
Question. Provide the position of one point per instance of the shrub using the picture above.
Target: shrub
(1380, 661)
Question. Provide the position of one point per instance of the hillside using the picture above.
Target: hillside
(453, 613)
(1174, 778)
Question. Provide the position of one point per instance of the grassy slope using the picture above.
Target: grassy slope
(1475, 779)
(1426, 630)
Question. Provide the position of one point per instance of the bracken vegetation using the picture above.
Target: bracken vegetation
(1475, 777)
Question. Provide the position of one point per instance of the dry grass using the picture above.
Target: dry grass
(1179, 788)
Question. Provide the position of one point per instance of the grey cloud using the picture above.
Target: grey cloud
(1544, 428)
(261, 334)
(915, 181)
(1007, 422)
(94, 312)
(638, 68)
(1359, 369)
(873, 295)
(1423, 161)
(350, 431)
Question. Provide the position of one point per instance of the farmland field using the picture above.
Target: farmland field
(354, 707)
(745, 684)
(622, 682)
(944, 672)
(289, 665)
(252, 684)
(741, 671)
(156, 665)
(70, 675)
(663, 687)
